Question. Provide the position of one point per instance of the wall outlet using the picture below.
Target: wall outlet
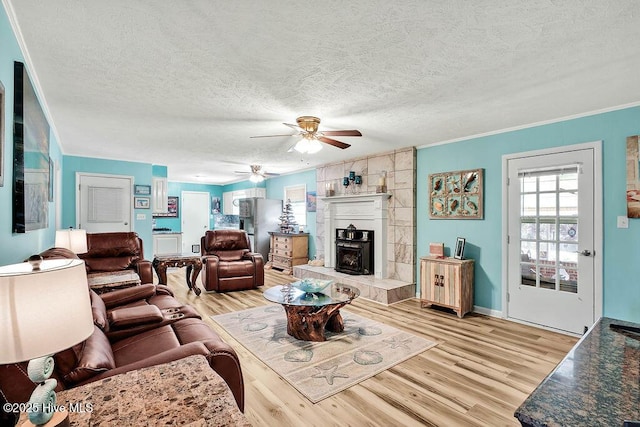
(141, 216)
(623, 222)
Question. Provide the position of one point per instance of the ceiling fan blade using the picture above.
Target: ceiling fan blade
(270, 174)
(242, 172)
(334, 142)
(296, 127)
(352, 132)
(270, 136)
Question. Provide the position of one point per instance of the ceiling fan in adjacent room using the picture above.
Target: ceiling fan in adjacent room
(307, 128)
(257, 174)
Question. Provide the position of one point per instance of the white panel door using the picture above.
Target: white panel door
(551, 248)
(104, 203)
(195, 219)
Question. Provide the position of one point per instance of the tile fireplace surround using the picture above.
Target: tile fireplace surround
(399, 270)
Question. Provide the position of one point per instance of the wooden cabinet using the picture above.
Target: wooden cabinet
(167, 243)
(287, 250)
(447, 282)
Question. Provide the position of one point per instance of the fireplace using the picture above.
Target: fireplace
(354, 251)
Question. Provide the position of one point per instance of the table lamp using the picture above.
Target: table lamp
(43, 312)
(73, 239)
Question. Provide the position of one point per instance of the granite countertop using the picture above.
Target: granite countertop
(596, 384)
(183, 392)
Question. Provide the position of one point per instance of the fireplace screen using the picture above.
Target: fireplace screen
(354, 251)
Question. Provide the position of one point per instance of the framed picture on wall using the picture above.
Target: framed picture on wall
(142, 202)
(142, 190)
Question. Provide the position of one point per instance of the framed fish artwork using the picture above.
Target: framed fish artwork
(456, 195)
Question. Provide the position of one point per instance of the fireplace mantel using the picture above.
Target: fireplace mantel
(364, 211)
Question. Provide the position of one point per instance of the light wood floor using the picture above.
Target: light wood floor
(481, 370)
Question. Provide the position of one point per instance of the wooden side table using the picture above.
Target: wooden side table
(192, 262)
(184, 392)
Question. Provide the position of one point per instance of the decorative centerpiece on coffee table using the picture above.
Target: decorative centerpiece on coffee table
(312, 285)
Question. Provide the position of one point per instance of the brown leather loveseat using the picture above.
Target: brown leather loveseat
(133, 328)
(117, 251)
(228, 263)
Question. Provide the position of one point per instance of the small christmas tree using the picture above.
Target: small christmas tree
(288, 222)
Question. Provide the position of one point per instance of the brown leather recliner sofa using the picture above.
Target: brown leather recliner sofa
(133, 328)
(117, 251)
(228, 263)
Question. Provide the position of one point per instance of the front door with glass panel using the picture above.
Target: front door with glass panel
(551, 240)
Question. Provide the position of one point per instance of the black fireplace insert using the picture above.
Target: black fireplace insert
(354, 251)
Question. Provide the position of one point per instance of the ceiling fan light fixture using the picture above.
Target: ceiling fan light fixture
(256, 178)
(308, 145)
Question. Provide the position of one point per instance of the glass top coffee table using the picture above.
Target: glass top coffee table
(309, 314)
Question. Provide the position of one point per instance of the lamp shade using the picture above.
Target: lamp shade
(72, 239)
(45, 311)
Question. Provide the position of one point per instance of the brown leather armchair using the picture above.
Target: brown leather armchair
(228, 263)
(117, 251)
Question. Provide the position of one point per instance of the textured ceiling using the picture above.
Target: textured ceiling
(186, 83)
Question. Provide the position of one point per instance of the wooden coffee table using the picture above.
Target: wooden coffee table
(191, 261)
(309, 314)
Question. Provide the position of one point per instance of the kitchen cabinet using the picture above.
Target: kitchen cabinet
(229, 199)
(160, 194)
(288, 250)
(167, 243)
(447, 282)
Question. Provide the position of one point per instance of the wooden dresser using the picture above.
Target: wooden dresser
(447, 282)
(287, 250)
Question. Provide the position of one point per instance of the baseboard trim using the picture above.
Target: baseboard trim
(487, 311)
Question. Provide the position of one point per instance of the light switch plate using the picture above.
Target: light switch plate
(623, 222)
(141, 216)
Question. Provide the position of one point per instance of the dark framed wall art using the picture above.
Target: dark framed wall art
(30, 156)
(456, 195)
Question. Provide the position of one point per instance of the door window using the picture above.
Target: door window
(549, 229)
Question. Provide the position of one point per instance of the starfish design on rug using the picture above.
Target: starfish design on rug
(396, 343)
(276, 338)
(243, 316)
(329, 374)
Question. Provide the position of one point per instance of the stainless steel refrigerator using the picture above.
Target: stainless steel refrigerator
(258, 217)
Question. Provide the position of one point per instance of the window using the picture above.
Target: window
(297, 194)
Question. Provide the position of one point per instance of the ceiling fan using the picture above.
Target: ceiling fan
(307, 127)
(257, 174)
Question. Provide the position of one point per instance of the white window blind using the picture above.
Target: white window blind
(297, 194)
(104, 204)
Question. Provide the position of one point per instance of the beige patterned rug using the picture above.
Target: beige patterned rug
(321, 369)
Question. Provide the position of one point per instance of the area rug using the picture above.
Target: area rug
(321, 369)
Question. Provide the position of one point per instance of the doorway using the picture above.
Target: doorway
(195, 219)
(104, 203)
(553, 224)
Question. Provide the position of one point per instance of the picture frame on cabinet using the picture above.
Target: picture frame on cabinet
(459, 250)
(142, 202)
(142, 190)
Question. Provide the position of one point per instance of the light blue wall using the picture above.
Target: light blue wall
(621, 246)
(141, 173)
(275, 190)
(176, 189)
(17, 247)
